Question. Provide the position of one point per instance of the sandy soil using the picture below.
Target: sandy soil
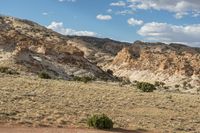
(33, 102)
(67, 130)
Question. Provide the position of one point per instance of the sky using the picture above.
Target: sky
(124, 20)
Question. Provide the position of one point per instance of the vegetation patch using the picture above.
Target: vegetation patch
(146, 87)
(159, 84)
(124, 81)
(84, 79)
(44, 75)
(8, 70)
(100, 122)
(177, 86)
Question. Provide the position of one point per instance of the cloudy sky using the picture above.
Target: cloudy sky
(124, 20)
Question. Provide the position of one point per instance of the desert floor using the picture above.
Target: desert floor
(59, 104)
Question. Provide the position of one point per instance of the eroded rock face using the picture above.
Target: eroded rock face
(159, 61)
(33, 48)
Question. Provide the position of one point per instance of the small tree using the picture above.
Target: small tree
(100, 121)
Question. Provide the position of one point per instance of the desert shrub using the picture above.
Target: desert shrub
(103, 77)
(110, 72)
(84, 79)
(3, 69)
(159, 84)
(145, 87)
(177, 86)
(7, 70)
(184, 84)
(44, 75)
(190, 86)
(100, 121)
(134, 83)
(198, 90)
(124, 81)
(166, 87)
(76, 78)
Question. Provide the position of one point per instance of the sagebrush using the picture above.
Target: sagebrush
(100, 122)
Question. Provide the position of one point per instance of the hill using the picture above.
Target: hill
(30, 48)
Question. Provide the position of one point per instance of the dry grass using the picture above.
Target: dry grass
(35, 102)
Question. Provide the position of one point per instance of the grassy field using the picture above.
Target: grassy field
(34, 102)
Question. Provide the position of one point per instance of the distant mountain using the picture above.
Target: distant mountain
(30, 48)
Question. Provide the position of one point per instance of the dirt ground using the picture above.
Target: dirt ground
(59, 104)
(67, 130)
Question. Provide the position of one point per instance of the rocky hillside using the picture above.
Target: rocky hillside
(97, 50)
(31, 48)
(174, 63)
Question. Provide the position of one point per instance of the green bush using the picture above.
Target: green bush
(7, 70)
(146, 87)
(100, 121)
(44, 75)
(83, 79)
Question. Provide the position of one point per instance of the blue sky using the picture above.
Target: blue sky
(124, 20)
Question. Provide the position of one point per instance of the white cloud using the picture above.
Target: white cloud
(59, 27)
(179, 7)
(125, 12)
(45, 13)
(180, 15)
(119, 3)
(104, 17)
(133, 22)
(171, 33)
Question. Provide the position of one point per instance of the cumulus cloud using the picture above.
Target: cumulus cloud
(133, 22)
(59, 27)
(104, 17)
(119, 3)
(179, 7)
(165, 32)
